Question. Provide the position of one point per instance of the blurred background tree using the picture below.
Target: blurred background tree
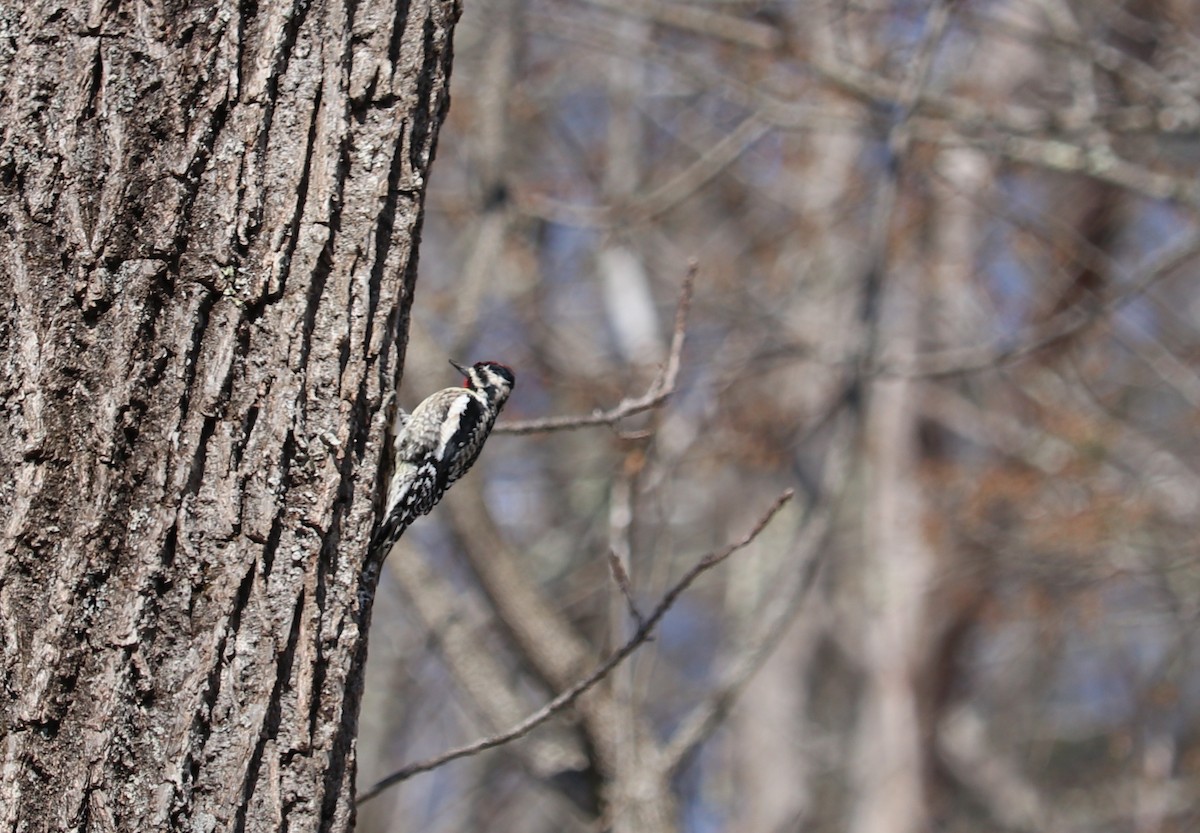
(946, 291)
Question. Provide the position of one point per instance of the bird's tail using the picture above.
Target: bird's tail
(394, 522)
(387, 535)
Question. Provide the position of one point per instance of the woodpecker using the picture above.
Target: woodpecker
(437, 443)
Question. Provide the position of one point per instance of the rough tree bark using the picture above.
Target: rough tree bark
(208, 211)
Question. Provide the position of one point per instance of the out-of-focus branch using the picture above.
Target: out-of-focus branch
(701, 20)
(1166, 475)
(885, 779)
(1067, 324)
(660, 390)
(620, 529)
(1057, 154)
(1014, 131)
(485, 263)
(791, 590)
(899, 136)
(999, 786)
(1182, 111)
(1064, 25)
(621, 577)
(1170, 368)
(643, 207)
(570, 695)
(1147, 345)
(478, 672)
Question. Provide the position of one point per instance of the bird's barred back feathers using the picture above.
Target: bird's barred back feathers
(438, 443)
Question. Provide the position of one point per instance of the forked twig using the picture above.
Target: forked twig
(660, 389)
(570, 695)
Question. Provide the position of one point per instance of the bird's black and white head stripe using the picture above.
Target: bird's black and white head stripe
(492, 379)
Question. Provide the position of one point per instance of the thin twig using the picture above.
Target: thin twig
(776, 614)
(660, 389)
(620, 528)
(570, 695)
(622, 579)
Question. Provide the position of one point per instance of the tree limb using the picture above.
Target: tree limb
(569, 696)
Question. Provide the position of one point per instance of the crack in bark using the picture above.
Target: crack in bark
(223, 495)
(270, 728)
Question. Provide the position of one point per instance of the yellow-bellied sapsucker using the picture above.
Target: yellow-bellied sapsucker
(437, 443)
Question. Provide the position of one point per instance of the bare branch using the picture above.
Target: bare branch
(1182, 109)
(702, 21)
(777, 614)
(666, 196)
(999, 785)
(1099, 163)
(659, 392)
(449, 617)
(569, 696)
(1069, 323)
(622, 579)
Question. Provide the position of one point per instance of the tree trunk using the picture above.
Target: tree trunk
(208, 210)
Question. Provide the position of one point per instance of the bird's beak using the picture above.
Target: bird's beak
(460, 368)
